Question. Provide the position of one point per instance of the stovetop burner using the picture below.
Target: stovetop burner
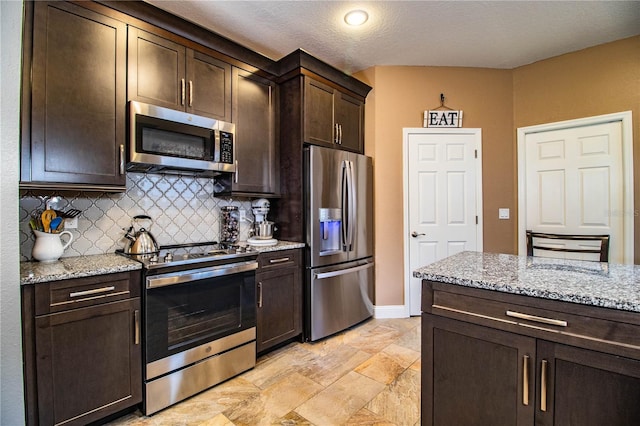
(192, 253)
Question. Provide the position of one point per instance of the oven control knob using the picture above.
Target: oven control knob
(153, 258)
(168, 257)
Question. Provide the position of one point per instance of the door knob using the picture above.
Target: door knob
(414, 234)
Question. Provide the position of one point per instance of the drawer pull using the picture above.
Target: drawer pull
(534, 318)
(525, 380)
(280, 260)
(543, 385)
(94, 291)
(260, 294)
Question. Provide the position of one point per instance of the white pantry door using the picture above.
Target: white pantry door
(574, 185)
(443, 199)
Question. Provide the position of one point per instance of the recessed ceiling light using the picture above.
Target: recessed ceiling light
(356, 17)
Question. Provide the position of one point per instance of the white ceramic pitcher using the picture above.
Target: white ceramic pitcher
(48, 247)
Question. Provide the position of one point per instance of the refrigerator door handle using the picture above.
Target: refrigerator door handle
(323, 275)
(352, 206)
(345, 205)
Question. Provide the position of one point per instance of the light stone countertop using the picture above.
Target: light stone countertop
(590, 283)
(75, 267)
(281, 245)
(100, 264)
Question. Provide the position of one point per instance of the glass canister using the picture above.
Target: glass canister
(229, 225)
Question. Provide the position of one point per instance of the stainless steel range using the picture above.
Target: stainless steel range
(199, 325)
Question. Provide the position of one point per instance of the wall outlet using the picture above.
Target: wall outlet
(71, 223)
(503, 213)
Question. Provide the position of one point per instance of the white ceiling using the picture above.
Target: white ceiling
(492, 34)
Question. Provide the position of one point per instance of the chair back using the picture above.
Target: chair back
(602, 251)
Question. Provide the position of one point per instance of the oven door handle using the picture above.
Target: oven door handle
(200, 274)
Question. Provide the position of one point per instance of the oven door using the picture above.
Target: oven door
(187, 309)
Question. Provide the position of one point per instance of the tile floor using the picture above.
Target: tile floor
(367, 375)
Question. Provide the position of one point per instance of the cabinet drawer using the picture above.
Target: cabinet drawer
(549, 319)
(75, 293)
(283, 258)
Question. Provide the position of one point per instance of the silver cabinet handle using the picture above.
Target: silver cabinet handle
(525, 380)
(534, 318)
(340, 133)
(335, 133)
(414, 234)
(543, 385)
(280, 260)
(190, 93)
(182, 91)
(136, 332)
(260, 294)
(121, 159)
(94, 291)
(237, 172)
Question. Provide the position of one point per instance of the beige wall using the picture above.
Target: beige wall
(399, 98)
(600, 80)
(596, 81)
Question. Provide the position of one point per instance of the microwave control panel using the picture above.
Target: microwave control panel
(226, 147)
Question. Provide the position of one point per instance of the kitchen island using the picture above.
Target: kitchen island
(526, 340)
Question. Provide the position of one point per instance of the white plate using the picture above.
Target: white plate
(262, 243)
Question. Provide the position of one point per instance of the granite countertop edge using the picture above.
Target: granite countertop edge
(623, 294)
(33, 272)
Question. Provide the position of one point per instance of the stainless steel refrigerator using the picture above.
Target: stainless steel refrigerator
(339, 235)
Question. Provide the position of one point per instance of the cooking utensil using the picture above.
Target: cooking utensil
(55, 223)
(141, 242)
(47, 216)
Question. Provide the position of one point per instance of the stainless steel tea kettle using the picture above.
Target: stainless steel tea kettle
(140, 242)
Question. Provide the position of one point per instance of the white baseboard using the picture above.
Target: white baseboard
(391, 311)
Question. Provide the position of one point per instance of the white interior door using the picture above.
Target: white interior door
(575, 185)
(443, 199)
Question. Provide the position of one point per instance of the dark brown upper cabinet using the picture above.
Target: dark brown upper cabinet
(332, 118)
(167, 74)
(74, 119)
(255, 101)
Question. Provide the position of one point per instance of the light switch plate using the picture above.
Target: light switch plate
(503, 213)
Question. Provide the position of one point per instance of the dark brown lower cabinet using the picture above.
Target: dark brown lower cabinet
(479, 367)
(279, 281)
(476, 377)
(87, 351)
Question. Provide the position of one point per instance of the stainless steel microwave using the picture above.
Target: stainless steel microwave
(163, 140)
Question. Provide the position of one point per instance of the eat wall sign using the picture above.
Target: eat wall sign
(443, 118)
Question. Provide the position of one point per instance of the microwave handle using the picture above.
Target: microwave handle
(237, 172)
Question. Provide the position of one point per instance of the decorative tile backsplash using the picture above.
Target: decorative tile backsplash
(183, 210)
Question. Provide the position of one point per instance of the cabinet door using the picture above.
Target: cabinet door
(279, 298)
(78, 97)
(88, 362)
(208, 86)
(473, 375)
(586, 388)
(318, 113)
(350, 118)
(156, 73)
(254, 115)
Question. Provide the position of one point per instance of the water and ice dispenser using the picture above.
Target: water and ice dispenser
(330, 230)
